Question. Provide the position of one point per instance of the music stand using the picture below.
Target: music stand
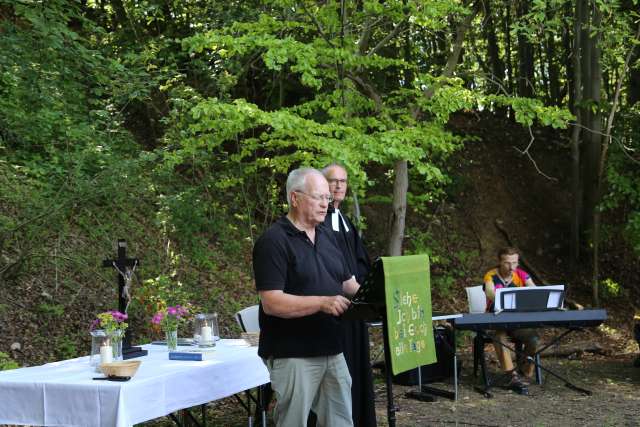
(368, 304)
(530, 298)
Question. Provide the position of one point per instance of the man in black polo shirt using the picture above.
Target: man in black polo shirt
(302, 278)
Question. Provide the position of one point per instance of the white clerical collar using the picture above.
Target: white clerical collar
(335, 217)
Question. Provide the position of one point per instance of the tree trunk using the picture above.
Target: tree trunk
(554, 72)
(592, 141)
(569, 48)
(507, 48)
(525, 56)
(576, 187)
(456, 51)
(399, 206)
(493, 52)
(544, 74)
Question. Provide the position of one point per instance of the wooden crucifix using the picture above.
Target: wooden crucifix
(125, 267)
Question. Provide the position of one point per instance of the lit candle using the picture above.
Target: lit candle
(205, 334)
(106, 354)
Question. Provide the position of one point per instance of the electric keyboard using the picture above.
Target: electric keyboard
(530, 319)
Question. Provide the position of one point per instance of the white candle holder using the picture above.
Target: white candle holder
(206, 330)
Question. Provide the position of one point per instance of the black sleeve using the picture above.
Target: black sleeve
(269, 264)
(363, 262)
(331, 237)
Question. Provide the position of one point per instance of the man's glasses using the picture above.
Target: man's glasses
(317, 197)
(336, 181)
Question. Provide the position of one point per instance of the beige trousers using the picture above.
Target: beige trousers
(321, 384)
(528, 337)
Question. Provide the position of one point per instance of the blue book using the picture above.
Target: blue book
(191, 355)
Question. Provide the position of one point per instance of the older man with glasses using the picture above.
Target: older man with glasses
(302, 280)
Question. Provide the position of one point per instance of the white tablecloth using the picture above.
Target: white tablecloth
(63, 393)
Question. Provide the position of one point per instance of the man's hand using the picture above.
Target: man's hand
(350, 286)
(335, 305)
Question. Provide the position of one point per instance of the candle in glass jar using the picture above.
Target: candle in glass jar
(106, 354)
(205, 334)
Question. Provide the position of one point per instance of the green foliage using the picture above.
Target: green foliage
(175, 125)
(610, 289)
(337, 115)
(158, 293)
(447, 268)
(66, 348)
(622, 177)
(6, 362)
(342, 117)
(53, 310)
(46, 94)
(529, 110)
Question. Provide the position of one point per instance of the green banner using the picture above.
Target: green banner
(408, 298)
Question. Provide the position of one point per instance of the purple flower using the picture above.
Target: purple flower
(172, 311)
(111, 321)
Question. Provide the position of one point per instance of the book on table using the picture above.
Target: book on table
(195, 355)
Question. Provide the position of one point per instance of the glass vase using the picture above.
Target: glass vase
(172, 340)
(116, 344)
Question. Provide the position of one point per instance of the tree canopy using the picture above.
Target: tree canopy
(183, 117)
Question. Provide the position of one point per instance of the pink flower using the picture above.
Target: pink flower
(157, 318)
(170, 318)
(118, 316)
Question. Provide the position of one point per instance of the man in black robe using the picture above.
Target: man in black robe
(356, 333)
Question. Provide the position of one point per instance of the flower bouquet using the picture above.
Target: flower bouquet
(169, 319)
(107, 329)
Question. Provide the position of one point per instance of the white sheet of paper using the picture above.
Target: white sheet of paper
(554, 299)
(509, 302)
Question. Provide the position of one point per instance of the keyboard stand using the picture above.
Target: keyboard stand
(532, 359)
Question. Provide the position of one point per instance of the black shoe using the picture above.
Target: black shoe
(523, 378)
(516, 384)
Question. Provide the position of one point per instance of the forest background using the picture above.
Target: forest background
(173, 124)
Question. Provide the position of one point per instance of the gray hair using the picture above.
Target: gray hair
(325, 169)
(297, 180)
